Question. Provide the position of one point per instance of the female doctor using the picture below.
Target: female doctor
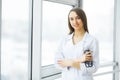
(77, 55)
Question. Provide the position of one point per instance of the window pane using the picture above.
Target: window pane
(54, 28)
(14, 45)
(104, 77)
(100, 15)
(100, 23)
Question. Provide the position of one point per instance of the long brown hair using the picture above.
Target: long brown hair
(83, 17)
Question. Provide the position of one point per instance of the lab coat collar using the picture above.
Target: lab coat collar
(84, 38)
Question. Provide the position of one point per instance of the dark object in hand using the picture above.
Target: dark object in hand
(88, 63)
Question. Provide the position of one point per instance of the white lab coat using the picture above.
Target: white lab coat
(67, 50)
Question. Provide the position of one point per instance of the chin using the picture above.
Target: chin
(76, 28)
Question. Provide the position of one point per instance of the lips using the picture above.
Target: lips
(75, 25)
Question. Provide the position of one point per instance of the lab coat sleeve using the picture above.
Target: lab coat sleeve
(95, 54)
(59, 55)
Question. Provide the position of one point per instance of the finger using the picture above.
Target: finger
(89, 59)
(88, 55)
(87, 52)
(86, 59)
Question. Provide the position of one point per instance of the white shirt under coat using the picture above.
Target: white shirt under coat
(67, 50)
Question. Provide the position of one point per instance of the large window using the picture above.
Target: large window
(100, 14)
(14, 40)
(54, 28)
(15, 35)
(100, 24)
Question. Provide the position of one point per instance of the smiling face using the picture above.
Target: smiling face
(75, 21)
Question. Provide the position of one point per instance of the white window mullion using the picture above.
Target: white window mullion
(116, 38)
(36, 53)
(30, 40)
(0, 34)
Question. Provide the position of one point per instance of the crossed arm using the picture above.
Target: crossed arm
(75, 63)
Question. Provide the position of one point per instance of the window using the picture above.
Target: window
(54, 28)
(15, 35)
(14, 40)
(100, 20)
(100, 15)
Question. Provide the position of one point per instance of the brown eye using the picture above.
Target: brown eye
(78, 17)
(71, 19)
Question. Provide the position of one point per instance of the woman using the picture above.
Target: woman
(71, 58)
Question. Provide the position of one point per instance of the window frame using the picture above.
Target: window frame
(37, 71)
(29, 43)
(49, 72)
(36, 36)
(0, 32)
(66, 2)
(116, 46)
(30, 40)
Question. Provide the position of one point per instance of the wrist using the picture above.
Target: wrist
(76, 63)
(78, 60)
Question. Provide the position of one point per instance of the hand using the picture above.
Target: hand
(65, 62)
(87, 57)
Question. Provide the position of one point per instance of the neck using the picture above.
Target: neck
(79, 33)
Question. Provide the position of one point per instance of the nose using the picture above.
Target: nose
(74, 21)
